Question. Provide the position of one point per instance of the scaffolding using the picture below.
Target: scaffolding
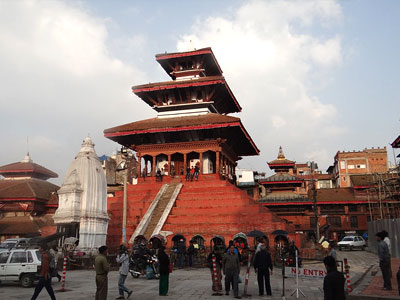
(383, 194)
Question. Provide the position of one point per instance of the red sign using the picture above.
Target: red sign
(310, 273)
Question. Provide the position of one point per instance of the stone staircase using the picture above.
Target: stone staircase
(160, 209)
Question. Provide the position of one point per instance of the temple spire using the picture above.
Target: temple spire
(280, 154)
(27, 159)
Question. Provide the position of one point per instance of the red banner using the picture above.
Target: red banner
(24, 206)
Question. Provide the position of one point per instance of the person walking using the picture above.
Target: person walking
(45, 276)
(164, 272)
(231, 269)
(101, 267)
(123, 261)
(333, 281)
(384, 261)
(263, 267)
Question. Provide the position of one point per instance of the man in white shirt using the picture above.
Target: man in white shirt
(123, 261)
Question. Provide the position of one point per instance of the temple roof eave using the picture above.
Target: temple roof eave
(208, 122)
(143, 89)
(164, 57)
(26, 167)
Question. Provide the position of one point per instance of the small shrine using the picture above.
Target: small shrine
(82, 211)
(283, 185)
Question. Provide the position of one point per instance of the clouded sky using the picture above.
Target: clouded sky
(312, 76)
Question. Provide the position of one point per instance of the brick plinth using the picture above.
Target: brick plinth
(207, 207)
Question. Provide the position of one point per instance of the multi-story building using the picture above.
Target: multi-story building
(367, 161)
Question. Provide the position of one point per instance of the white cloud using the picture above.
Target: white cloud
(59, 82)
(269, 55)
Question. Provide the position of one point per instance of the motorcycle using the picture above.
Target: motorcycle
(291, 262)
(139, 265)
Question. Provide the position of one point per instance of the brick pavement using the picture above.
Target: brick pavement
(187, 284)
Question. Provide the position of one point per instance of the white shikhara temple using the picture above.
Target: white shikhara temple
(82, 210)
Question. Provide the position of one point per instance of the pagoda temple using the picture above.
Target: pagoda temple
(27, 199)
(192, 128)
(283, 185)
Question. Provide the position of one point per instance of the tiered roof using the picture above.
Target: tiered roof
(192, 107)
(26, 168)
(217, 93)
(281, 161)
(177, 64)
(201, 127)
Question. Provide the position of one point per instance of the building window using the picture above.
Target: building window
(343, 164)
(368, 218)
(313, 221)
(354, 221)
(360, 166)
(352, 207)
(335, 221)
(350, 167)
(324, 184)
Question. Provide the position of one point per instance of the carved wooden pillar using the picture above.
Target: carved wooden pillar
(153, 166)
(184, 163)
(217, 158)
(201, 162)
(139, 163)
(169, 165)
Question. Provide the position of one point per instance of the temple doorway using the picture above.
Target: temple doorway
(177, 164)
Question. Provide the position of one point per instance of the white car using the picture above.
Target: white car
(20, 265)
(14, 243)
(352, 242)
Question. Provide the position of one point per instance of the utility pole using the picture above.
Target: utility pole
(314, 198)
(124, 152)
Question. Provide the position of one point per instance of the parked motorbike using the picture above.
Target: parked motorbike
(138, 265)
(291, 261)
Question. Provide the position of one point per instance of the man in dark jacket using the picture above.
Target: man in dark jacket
(384, 261)
(45, 277)
(333, 281)
(263, 267)
(231, 268)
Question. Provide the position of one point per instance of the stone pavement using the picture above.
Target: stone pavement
(190, 283)
(372, 284)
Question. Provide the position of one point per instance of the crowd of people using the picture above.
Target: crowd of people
(221, 263)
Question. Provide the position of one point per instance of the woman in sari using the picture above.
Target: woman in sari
(164, 271)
